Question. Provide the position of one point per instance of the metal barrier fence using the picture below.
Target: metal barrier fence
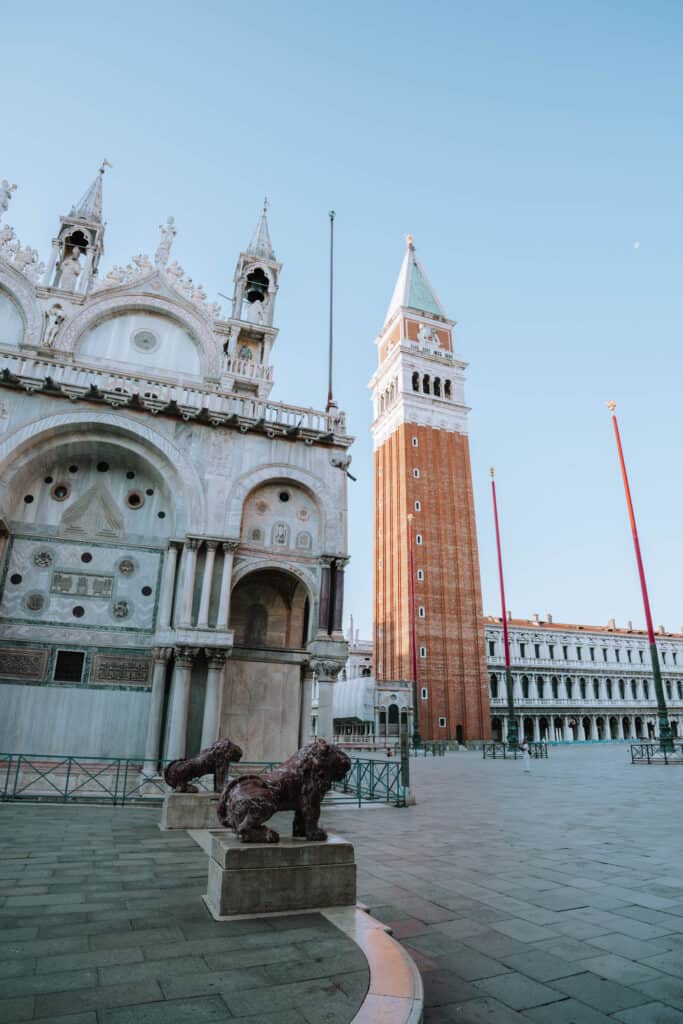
(126, 780)
(652, 753)
(537, 748)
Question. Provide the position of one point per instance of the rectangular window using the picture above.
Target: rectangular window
(551, 651)
(675, 658)
(565, 655)
(69, 667)
(442, 723)
(423, 652)
(421, 611)
(537, 650)
(579, 654)
(522, 650)
(640, 655)
(628, 655)
(492, 648)
(604, 654)
(663, 657)
(415, 442)
(420, 575)
(618, 654)
(424, 693)
(591, 653)
(416, 474)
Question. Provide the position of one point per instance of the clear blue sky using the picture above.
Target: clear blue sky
(527, 147)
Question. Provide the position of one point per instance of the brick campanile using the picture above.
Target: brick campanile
(422, 466)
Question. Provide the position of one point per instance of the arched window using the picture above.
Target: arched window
(437, 386)
(540, 687)
(425, 383)
(447, 389)
(622, 689)
(634, 689)
(416, 381)
(570, 688)
(257, 626)
(582, 688)
(596, 689)
(494, 687)
(646, 689)
(668, 689)
(609, 689)
(554, 685)
(525, 687)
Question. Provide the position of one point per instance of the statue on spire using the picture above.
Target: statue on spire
(6, 191)
(168, 233)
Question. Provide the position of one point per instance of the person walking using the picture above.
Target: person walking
(526, 758)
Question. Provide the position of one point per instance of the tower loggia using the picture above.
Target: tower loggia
(422, 468)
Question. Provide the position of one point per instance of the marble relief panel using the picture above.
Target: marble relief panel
(75, 583)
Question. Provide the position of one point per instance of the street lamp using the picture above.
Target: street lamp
(512, 737)
(665, 737)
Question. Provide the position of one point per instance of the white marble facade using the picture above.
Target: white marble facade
(173, 542)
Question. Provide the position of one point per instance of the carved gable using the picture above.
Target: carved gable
(94, 515)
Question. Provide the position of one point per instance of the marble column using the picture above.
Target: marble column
(306, 704)
(326, 673)
(203, 615)
(581, 730)
(229, 548)
(51, 264)
(211, 722)
(180, 701)
(537, 728)
(156, 707)
(504, 729)
(186, 588)
(376, 723)
(620, 727)
(568, 735)
(594, 727)
(324, 617)
(167, 587)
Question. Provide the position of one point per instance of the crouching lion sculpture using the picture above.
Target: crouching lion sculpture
(217, 759)
(299, 785)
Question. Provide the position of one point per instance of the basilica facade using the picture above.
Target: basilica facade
(173, 541)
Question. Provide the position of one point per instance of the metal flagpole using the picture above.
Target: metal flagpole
(665, 736)
(330, 399)
(512, 736)
(413, 638)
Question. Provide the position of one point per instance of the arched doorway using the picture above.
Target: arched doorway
(497, 729)
(674, 729)
(626, 726)
(528, 728)
(600, 726)
(587, 728)
(558, 733)
(393, 720)
(613, 728)
(543, 724)
(640, 729)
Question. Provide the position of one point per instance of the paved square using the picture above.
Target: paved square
(554, 897)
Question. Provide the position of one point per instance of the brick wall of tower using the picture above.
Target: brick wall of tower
(452, 630)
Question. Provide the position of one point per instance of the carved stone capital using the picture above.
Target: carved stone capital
(230, 546)
(193, 543)
(216, 656)
(185, 656)
(211, 545)
(326, 670)
(162, 654)
(342, 562)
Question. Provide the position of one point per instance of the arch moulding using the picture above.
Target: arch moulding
(21, 290)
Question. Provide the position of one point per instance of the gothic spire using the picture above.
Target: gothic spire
(261, 244)
(413, 289)
(89, 206)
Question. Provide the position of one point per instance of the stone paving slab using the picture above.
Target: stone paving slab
(125, 939)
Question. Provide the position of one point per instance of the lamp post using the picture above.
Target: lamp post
(512, 737)
(665, 737)
(413, 639)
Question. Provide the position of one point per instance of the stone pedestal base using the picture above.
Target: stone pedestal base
(190, 810)
(267, 878)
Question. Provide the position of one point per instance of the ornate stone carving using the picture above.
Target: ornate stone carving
(185, 656)
(162, 654)
(23, 663)
(22, 257)
(216, 656)
(94, 514)
(54, 318)
(299, 785)
(120, 609)
(217, 759)
(326, 669)
(6, 191)
(168, 232)
(109, 668)
(42, 559)
(82, 584)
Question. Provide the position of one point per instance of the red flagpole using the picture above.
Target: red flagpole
(512, 734)
(664, 726)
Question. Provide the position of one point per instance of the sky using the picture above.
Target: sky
(534, 151)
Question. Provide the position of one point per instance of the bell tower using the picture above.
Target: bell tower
(422, 471)
(79, 243)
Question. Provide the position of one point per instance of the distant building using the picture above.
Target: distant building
(578, 683)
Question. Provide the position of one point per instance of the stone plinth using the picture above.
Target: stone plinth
(190, 810)
(292, 875)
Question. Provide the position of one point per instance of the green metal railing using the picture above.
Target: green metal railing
(130, 780)
(654, 753)
(536, 749)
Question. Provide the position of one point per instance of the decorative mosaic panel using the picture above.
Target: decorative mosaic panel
(82, 584)
(22, 663)
(112, 668)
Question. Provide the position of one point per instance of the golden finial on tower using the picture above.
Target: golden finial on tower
(410, 241)
(492, 473)
(611, 405)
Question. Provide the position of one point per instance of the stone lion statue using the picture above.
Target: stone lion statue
(299, 785)
(217, 759)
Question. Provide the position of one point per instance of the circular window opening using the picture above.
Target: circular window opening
(135, 499)
(102, 467)
(28, 498)
(130, 475)
(16, 578)
(284, 495)
(78, 612)
(48, 479)
(149, 492)
(73, 469)
(86, 557)
(145, 341)
(146, 591)
(60, 492)
(161, 515)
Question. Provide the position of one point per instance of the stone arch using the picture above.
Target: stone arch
(22, 292)
(20, 450)
(270, 608)
(99, 309)
(332, 538)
